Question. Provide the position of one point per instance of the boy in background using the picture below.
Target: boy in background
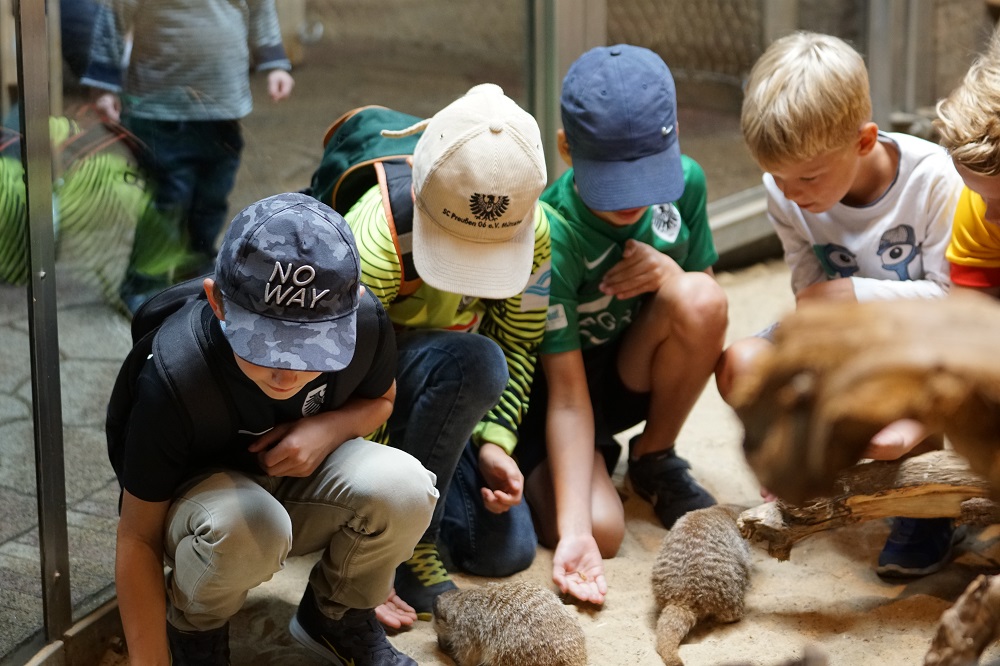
(292, 474)
(636, 321)
(862, 215)
(183, 93)
(967, 127)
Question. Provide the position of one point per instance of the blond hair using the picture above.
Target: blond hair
(807, 95)
(969, 118)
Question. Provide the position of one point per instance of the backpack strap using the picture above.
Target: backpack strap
(395, 180)
(373, 326)
(161, 305)
(181, 354)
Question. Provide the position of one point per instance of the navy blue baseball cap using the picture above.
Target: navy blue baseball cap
(619, 112)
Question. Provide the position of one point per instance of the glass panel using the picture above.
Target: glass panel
(99, 196)
(412, 55)
(20, 582)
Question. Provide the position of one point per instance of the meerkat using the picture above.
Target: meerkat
(702, 571)
(511, 623)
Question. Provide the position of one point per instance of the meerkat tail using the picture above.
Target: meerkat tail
(672, 627)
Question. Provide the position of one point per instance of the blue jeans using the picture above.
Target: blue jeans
(194, 165)
(445, 382)
(478, 541)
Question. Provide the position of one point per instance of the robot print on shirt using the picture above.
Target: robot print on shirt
(898, 248)
(837, 260)
(666, 222)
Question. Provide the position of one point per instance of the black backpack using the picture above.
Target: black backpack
(159, 336)
(171, 329)
(356, 157)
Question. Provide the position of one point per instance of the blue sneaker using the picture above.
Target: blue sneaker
(916, 547)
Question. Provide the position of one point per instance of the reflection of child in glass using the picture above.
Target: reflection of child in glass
(183, 92)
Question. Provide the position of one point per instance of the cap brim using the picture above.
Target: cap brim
(646, 181)
(325, 346)
(491, 270)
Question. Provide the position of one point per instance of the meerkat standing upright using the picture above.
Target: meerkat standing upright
(702, 571)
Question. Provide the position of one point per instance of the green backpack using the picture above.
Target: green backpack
(356, 157)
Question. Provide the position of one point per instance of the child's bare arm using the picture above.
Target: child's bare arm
(139, 579)
(570, 438)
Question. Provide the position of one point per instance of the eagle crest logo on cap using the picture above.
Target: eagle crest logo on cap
(488, 206)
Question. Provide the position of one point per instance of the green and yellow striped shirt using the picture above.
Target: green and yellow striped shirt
(516, 324)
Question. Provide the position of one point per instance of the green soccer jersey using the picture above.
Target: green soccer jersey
(585, 247)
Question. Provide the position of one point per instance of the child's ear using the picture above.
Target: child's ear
(867, 138)
(214, 298)
(563, 145)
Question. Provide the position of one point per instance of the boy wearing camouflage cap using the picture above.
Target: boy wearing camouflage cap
(303, 381)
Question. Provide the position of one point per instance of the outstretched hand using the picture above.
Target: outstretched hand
(395, 613)
(578, 569)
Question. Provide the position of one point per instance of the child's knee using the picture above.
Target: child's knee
(698, 304)
(395, 485)
(737, 362)
(609, 534)
(254, 532)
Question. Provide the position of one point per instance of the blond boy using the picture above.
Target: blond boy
(862, 215)
(968, 126)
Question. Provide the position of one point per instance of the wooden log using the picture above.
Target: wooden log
(969, 626)
(938, 484)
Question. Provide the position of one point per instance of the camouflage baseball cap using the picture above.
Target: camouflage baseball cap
(289, 273)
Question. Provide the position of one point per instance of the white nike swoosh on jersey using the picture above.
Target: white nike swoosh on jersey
(591, 265)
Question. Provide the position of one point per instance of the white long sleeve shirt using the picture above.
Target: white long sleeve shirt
(893, 247)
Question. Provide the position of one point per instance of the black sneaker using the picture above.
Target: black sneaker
(663, 479)
(357, 639)
(420, 579)
(199, 648)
